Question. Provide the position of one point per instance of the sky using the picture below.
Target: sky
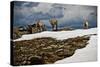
(67, 15)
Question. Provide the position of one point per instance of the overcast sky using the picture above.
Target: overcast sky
(30, 12)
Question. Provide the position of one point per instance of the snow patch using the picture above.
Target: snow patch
(59, 35)
(89, 53)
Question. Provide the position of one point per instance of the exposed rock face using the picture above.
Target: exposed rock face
(46, 50)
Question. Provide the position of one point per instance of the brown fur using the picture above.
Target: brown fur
(40, 26)
(54, 23)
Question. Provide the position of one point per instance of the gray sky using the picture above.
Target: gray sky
(30, 12)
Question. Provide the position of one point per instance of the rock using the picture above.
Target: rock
(46, 50)
(24, 62)
(59, 50)
(53, 46)
(36, 60)
(68, 53)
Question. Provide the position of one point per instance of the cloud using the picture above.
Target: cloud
(26, 12)
(43, 7)
(29, 12)
(76, 12)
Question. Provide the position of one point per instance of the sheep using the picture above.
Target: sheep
(54, 24)
(85, 24)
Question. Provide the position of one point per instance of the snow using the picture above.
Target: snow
(89, 53)
(59, 35)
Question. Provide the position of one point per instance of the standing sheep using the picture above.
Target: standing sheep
(85, 24)
(54, 24)
(40, 26)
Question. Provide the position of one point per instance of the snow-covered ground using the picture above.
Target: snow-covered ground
(59, 35)
(89, 53)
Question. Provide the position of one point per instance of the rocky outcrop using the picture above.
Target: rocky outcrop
(46, 50)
